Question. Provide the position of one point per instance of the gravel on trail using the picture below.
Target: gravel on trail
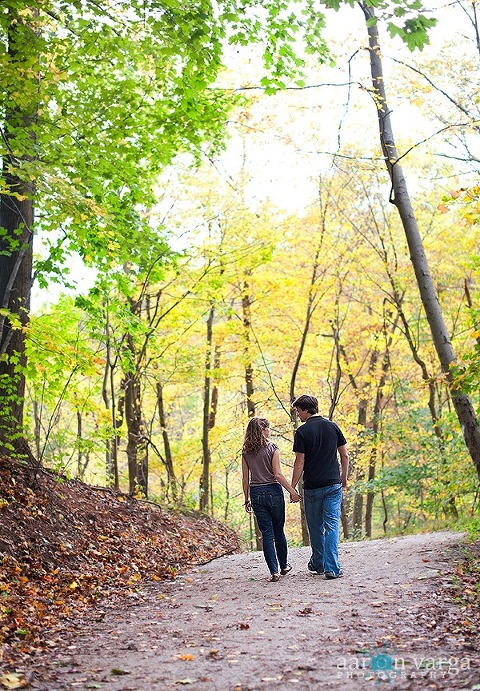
(225, 627)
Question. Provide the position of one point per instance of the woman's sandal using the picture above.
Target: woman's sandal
(285, 570)
(275, 577)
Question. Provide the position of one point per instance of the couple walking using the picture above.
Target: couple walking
(316, 444)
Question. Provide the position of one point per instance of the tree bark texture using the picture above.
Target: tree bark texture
(168, 461)
(377, 411)
(16, 251)
(247, 326)
(115, 410)
(400, 197)
(249, 383)
(136, 439)
(206, 456)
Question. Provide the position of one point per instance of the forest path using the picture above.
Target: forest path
(225, 627)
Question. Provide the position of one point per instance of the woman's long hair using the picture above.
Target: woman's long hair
(254, 437)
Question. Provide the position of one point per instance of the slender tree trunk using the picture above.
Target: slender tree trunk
(38, 427)
(451, 508)
(132, 434)
(214, 399)
(335, 388)
(400, 197)
(137, 456)
(206, 456)
(363, 397)
(311, 307)
(249, 385)
(385, 513)
(377, 409)
(247, 326)
(109, 399)
(226, 509)
(168, 461)
(344, 519)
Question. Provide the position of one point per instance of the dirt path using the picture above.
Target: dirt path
(225, 627)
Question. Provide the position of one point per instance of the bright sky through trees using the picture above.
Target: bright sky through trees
(289, 138)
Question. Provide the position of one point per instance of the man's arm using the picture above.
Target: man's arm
(280, 477)
(342, 450)
(297, 468)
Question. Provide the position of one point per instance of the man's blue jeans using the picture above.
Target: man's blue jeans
(322, 511)
(268, 505)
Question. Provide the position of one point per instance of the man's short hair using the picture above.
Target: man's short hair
(308, 403)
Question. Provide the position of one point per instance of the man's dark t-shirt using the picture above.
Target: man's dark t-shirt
(319, 439)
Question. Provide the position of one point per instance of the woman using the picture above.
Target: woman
(262, 486)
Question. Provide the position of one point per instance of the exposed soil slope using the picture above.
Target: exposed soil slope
(65, 545)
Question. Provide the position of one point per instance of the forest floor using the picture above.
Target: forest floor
(405, 614)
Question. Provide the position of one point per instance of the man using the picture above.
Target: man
(315, 445)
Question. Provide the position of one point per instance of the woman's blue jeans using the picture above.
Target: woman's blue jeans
(268, 504)
(322, 511)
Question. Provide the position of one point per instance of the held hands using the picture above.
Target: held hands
(294, 497)
(248, 507)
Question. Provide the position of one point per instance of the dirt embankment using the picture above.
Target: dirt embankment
(65, 546)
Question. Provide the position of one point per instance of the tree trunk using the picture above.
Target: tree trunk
(377, 409)
(249, 387)
(37, 418)
(362, 394)
(168, 461)
(247, 325)
(16, 251)
(206, 456)
(311, 307)
(136, 440)
(83, 456)
(109, 399)
(400, 197)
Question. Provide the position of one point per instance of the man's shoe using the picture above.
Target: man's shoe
(275, 577)
(329, 575)
(312, 570)
(285, 570)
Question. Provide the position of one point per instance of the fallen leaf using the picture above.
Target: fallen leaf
(118, 672)
(13, 681)
(185, 681)
(306, 610)
(186, 656)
